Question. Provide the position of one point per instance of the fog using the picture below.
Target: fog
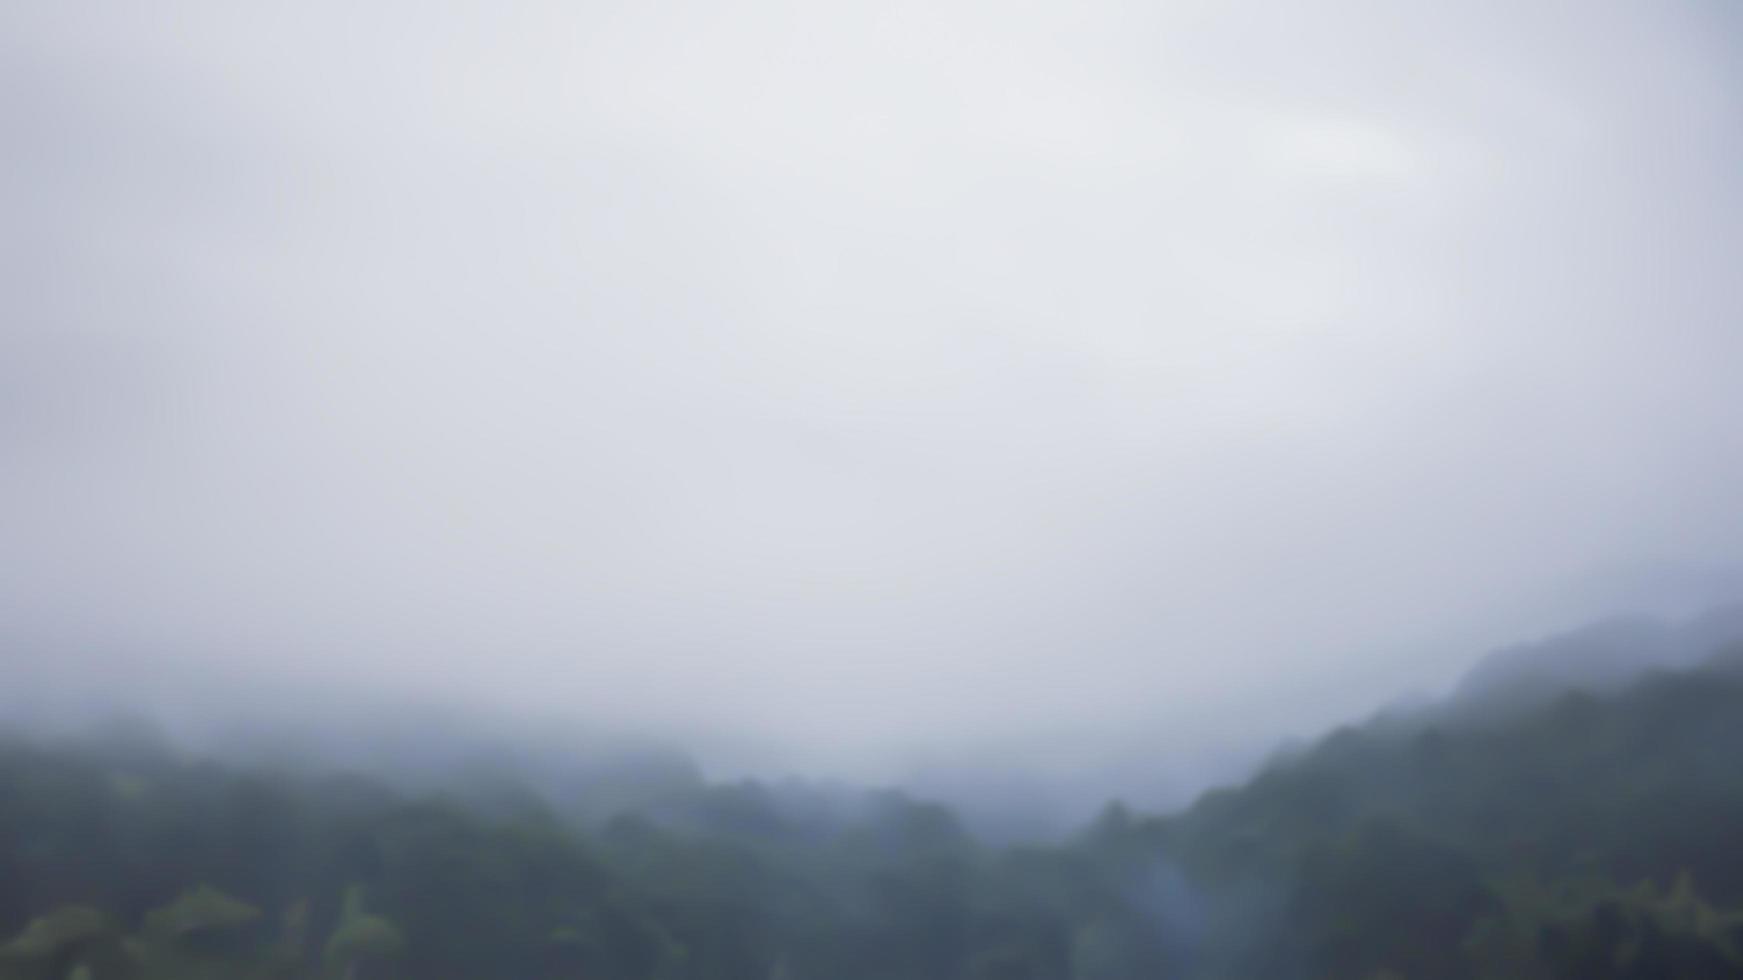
(859, 389)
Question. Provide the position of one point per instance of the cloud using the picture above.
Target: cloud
(862, 378)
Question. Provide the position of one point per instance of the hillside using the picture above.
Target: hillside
(1589, 836)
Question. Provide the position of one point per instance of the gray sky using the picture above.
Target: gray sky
(861, 377)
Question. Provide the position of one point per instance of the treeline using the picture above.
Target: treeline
(120, 857)
(1578, 836)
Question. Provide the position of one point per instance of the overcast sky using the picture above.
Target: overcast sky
(857, 377)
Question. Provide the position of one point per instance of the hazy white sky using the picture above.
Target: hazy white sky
(863, 376)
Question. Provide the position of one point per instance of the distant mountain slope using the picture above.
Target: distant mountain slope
(1598, 658)
(1497, 843)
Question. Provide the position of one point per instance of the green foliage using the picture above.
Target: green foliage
(361, 938)
(201, 909)
(1592, 929)
(59, 930)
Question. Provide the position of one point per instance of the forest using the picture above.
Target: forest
(781, 490)
(1581, 832)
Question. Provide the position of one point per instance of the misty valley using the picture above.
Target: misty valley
(871, 490)
(1571, 811)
